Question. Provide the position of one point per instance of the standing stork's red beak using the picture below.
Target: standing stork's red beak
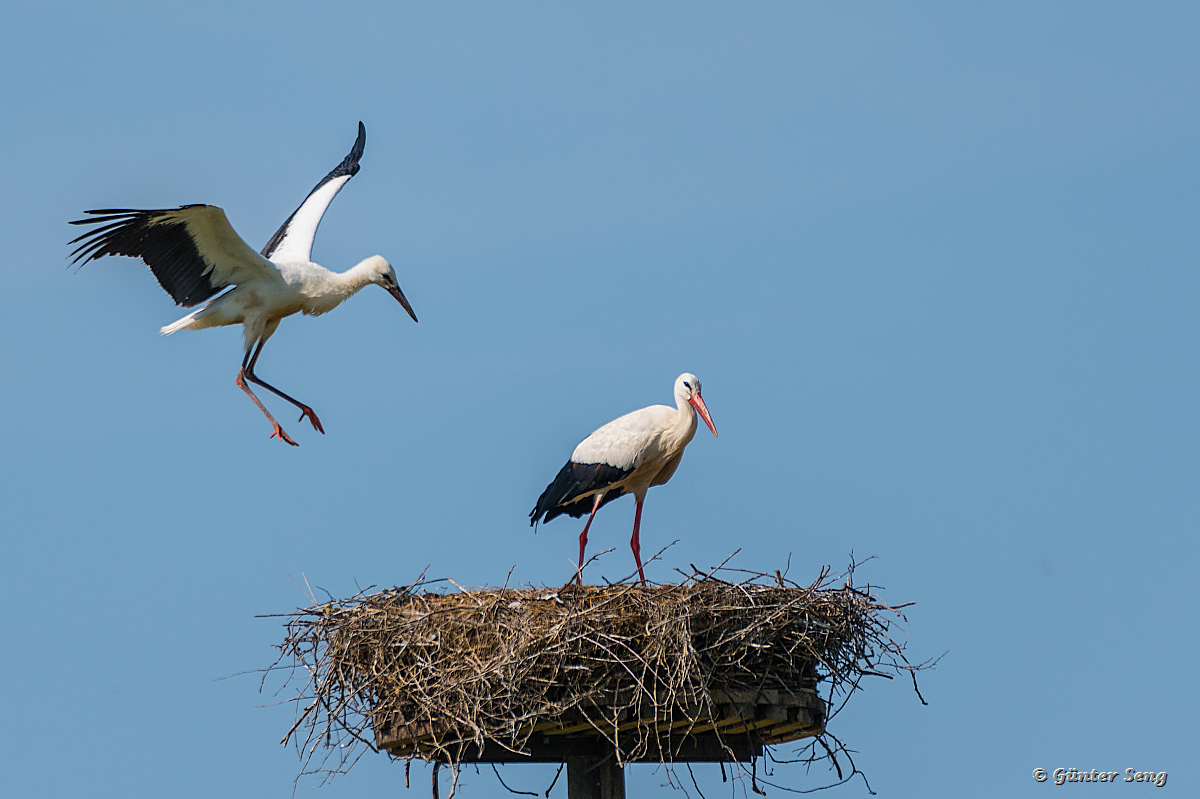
(702, 409)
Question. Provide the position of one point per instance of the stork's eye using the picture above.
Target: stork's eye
(687, 385)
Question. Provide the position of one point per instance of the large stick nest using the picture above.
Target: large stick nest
(488, 667)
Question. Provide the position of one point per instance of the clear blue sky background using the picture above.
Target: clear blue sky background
(936, 265)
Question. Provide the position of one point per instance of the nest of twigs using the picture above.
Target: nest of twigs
(499, 674)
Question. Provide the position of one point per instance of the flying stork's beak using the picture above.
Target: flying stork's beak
(702, 409)
(399, 295)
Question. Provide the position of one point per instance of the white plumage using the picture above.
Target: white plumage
(195, 253)
(626, 456)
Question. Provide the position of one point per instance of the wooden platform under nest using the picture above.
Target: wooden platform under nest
(743, 722)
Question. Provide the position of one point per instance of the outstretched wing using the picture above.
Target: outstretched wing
(294, 240)
(193, 251)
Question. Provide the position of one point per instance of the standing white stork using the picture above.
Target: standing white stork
(626, 456)
(195, 253)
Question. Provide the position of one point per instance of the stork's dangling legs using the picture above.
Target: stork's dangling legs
(583, 537)
(304, 409)
(635, 543)
(247, 364)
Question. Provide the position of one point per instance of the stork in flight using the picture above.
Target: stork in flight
(626, 456)
(195, 254)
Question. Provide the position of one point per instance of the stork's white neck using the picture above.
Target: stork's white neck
(683, 429)
(322, 289)
(356, 278)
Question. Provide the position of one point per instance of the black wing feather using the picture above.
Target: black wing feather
(573, 481)
(165, 247)
(348, 166)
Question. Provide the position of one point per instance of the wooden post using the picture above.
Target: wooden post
(595, 777)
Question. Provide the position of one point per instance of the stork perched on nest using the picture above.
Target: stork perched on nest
(626, 456)
(194, 253)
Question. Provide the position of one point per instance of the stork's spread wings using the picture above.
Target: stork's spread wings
(294, 240)
(193, 251)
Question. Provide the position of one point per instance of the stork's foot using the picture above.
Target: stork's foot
(282, 436)
(308, 412)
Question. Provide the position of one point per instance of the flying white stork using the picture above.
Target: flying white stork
(626, 456)
(195, 253)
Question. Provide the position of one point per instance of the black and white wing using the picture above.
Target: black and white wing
(294, 240)
(574, 488)
(193, 251)
(602, 460)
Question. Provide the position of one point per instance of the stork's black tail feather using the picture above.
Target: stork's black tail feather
(571, 491)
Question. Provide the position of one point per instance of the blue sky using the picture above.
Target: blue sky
(936, 266)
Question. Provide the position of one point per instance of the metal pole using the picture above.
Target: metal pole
(595, 777)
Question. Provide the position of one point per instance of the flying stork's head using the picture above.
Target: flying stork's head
(380, 272)
(687, 389)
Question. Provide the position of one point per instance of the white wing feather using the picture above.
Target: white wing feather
(293, 242)
(296, 245)
(228, 258)
(626, 442)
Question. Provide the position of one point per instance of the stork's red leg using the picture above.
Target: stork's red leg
(304, 409)
(245, 372)
(635, 543)
(583, 539)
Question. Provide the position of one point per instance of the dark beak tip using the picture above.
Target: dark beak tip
(400, 298)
